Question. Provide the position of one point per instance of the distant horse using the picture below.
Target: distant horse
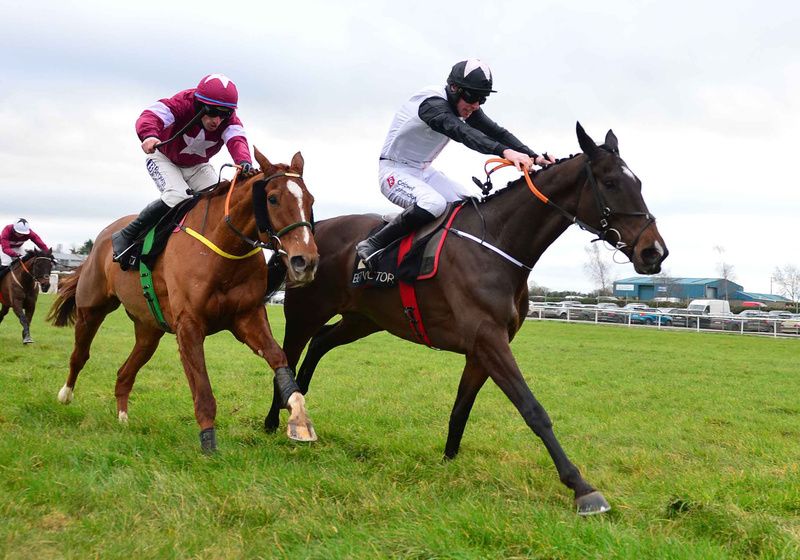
(19, 287)
(203, 288)
(479, 298)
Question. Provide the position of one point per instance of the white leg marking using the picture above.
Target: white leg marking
(123, 417)
(65, 395)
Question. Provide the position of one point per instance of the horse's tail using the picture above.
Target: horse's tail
(62, 313)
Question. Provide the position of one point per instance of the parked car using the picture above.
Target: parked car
(277, 297)
(650, 316)
(678, 315)
(572, 310)
(635, 306)
(611, 313)
(790, 326)
(753, 320)
(536, 309)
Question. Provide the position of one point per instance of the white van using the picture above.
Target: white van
(710, 306)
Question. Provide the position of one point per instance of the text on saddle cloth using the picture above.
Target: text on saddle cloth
(421, 262)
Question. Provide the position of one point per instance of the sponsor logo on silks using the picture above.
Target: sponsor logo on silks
(390, 180)
(155, 173)
(380, 277)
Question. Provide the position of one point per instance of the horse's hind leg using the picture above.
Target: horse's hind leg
(30, 308)
(19, 311)
(351, 328)
(3, 312)
(147, 339)
(471, 382)
(87, 321)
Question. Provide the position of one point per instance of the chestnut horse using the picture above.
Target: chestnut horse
(479, 298)
(19, 287)
(203, 289)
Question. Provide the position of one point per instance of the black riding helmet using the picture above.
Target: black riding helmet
(473, 76)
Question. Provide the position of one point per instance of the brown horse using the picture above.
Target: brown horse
(478, 300)
(19, 287)
(201, 291)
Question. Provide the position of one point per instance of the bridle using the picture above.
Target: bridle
(603, 208)
(262, 219)
(36, 281)
(262, 215)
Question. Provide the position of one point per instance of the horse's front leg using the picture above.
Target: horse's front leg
(3, 312)
(493, 355)
(191, 336)
(253, 329)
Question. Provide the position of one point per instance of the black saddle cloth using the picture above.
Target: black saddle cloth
(164, 228)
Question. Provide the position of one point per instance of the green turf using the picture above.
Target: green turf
(694, 438)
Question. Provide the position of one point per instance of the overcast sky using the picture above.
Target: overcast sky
(703, 96)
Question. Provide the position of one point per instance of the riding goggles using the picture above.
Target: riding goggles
(215, 111)
(472, 96)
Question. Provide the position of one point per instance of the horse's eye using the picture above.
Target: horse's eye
(609, 184)
(272, 199)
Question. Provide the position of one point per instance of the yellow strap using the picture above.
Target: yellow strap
(208, 243)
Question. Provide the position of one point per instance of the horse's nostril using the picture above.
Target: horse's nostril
(651, 255)
(298, 263)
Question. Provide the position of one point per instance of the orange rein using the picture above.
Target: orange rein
(502, 162)
(230, 189)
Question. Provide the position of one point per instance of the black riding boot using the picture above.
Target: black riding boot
(147, 218)
(404, 223)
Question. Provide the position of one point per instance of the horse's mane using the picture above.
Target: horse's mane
(31, 253)
(521, 180)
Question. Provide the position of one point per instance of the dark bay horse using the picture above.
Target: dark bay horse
(201, 291)
(478, 300)
(19, 288)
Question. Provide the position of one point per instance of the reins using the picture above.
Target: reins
(602, 207)
(502, 162)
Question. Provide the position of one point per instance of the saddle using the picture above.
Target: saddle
(409, 259)
(163, 229)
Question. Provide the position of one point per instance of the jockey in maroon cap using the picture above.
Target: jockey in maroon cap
(179, 135)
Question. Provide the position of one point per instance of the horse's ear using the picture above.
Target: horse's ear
(263, 162)
(611, 141)
(586, 143)
(298, 162)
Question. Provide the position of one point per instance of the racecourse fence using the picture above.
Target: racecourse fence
(732, 324)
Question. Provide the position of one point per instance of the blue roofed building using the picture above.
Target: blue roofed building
(649, 288)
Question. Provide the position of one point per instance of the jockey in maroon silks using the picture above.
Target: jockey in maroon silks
(12, 238)
(180, 135)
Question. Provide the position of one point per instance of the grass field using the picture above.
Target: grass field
(694, 439)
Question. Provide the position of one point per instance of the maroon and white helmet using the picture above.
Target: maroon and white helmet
(217, 89)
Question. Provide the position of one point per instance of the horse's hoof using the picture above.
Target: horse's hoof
(301, 431)
(269, 427)
(208, 441)
(122, 416)
(27, 340)
(65, 395)
(592, 504)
